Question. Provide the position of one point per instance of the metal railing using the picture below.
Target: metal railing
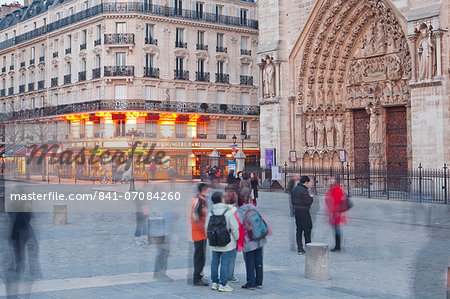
(151, 41)
(22, 64)
(222, 78)
(41, 58)
(125, 70)
(179, 44)
(97, 42)
(68, 51)
(10, 90)
(55, 54)
(83, 46)
(246, 52)
(41, 84)
(31, 61)
(221, 49)
(246, 80)
(221, 136)
(82, 76)
(151, 72)
(54, 82)
(181, 75)
(11, 67)
(31, 86)
(202, 76)
(202, 47)
(67, 79)
(119, 38)
(2, 92)
(4, 69)
(22, 88)
(96, 73)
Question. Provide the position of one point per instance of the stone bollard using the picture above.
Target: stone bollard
(316, 261)
(60, 214)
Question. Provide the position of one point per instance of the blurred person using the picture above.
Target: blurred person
(240, 175)
(223, 232)
(230, 178)
(198, 218)
(141, 233)
(253, 231)
(302, 201)
(254, 183)
(335, 200)
(230, 198)
(245, 190)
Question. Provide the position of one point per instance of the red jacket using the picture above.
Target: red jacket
(333, 200)
(198, 218)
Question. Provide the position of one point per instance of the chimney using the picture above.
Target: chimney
(26, 2)
(6, 9)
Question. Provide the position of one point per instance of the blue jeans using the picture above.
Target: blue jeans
(224, 259)
(141, 224)
(232, 264)
(254, 263)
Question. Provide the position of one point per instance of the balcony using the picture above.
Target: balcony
(22, 88)
(68, 51)
(40, 84)
(42, 59)
(222, 78)
(202, 76)
(179, 44)
(181, 75)
(202, 136)
(31, 86)
(83, 47)
(202, 47)
(151, 72)
(22, 64)
(151, 41)
(81, 76)
(31, 61)
(11, 67)
(221, 49)
(126, 70)
(11, 91)
(246, 52)
(97, 42)
(55, 54)
(221, 136)
(67, 79)
(119, 39)
(4, 69)
(54, 82)
(246, 80)
(96, 73)
(2, 92)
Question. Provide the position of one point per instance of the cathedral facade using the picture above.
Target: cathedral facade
(364, 80)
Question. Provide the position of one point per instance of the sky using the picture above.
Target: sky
(10, 1)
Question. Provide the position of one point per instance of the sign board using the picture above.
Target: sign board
(342, 155)
(276, 173)
(269, 157)
(231, 165)
(293, 156)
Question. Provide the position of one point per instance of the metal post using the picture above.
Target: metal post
(387, 182)
(315, 182)
(446, 199)
(48, 170)
(420, 181)
(368, 181)
(285, 175)
(348, 180)
(75, 172)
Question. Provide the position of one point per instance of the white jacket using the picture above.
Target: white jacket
(232, 225)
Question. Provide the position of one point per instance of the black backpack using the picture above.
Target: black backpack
(217, 232)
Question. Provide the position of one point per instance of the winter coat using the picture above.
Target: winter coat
(300, 197)
(198, 218)
(230, 179)
(232, 225)
(254, 184)
(245, 189)
(333, 199)
(245, 243)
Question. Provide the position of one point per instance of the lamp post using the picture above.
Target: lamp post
(243, 135)
(27, 169)
(131, 140)
(234, 139)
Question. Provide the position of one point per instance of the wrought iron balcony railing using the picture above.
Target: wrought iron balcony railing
(202, 76)
(246, 80)
(54, 82)
(11, 67)
(179, 44)
(181, 75)
(68, 51)
(31, 86)
(97, 42)
(4, 69)
(221, 136)
(151, 72)
(31, 61)
(125, 70)
(10, 91)
(2, 92)
(82, 76)
(22, 88)
(246, 52)
(41, 84)
(67, 79)
(42, 59)
(22, 64)
(96, 73)
(202, 136)
(151, 41)
(55, 54)
(222, 78)
(221, 49)
(202, 47)
(119, 38)
(83, 46)
(124, 105)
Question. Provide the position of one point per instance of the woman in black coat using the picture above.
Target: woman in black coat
(230, 178)
(254, 182)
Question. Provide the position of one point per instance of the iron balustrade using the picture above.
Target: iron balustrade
(31, 61)
(22, 88)
(151, 41)
(2, 92)
(97, 42)
(4, 69)
(96, 73)
(55, 54)
(202, 136)
(128, 104)
(246, 80)
(222, 78)
(151, 72)
(179, 44)
(68, 51)
(221, 136)
(125, 70)
(202, 76)
(82, 76)
(246, 52)
(41, 59)
(119, 38)
(67, 79)
(10, 90)
(202, 47)
(54, 82)
(83, 46)
(221, 49)
(22, 64)
(41, 84)
(181, 75)
(11, 67)
(31, 86)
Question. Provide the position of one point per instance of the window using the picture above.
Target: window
(244, 69)
(32, 53)
(4, 61)
(147, 4)
(220, 67)
(55, 99)
(69, 97)
(12, 59)
(68, 68)
(220, 97)
(121, 59)
(178, 7)
(31, 77)
(244, 126)
(70, 11)
(244, 41)
(244, 98)
(121, 92)
(199, 9)
(33, 103)
(200, 38)
(85, 5)
(41, 75)
(179, 64)
(180, 129)
(220, 40)
(99, 93)
(3, 84)
(149, 60)
(149, 90)
(179, 94)
(99, 32)
(42, 50)
(83, 64)
(150, 127)
(34, 25)
(121, 27)
(98, 61)
(220, 127)
(82, 128)
(69, 42)
(42, 101)
(45, 22)
(200, 95)
(85, 95)
(149, 32)
(201, 128)
(119, 128)
(84, 36)
(243, 16)
(179, 37)
(200, 66)
(219, 10)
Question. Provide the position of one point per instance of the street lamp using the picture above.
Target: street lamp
(243, 135)
(234, 139)
(131, 140)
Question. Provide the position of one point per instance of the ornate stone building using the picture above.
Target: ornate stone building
(370, 77)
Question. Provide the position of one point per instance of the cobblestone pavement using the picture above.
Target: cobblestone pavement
(391, 250)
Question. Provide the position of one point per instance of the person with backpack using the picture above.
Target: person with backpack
(231, 199)
(222, 231)
(255, 230)
(337, 205)
(302, 201)
(198, 218)
(245, 190)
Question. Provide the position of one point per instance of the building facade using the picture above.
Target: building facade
(176, 73)
(362, 77)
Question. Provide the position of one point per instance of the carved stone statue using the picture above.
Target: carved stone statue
(425, 53)
(320, 130)
(373, 125)
(320, 95)
(309, 131)
(269, 78)
(339, 132)
(329, 128)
